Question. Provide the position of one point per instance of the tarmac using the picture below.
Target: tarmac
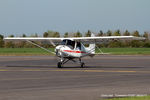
(38, 78)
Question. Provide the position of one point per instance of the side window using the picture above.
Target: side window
(71, 43)
(79, 45)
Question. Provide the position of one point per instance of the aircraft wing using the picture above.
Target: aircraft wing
(106, 38)
(81, 39)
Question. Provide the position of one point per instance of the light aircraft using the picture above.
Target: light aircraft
(72, 48)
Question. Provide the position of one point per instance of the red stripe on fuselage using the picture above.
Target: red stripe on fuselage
(72, 51)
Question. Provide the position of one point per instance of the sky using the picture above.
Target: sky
(38, 16)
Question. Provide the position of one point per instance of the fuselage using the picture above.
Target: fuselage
(70, 48)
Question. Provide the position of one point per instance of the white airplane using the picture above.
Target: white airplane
(72, 48)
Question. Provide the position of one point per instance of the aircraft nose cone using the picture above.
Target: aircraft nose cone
(58, 51)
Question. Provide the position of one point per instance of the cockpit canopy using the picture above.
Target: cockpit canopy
(68, 43)
(71, 43)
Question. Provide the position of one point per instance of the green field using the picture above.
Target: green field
(38, 51)
(127, 51)
(24, 51)
(132, 98)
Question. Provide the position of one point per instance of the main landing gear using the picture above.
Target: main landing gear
(82, 65)
(65, 60)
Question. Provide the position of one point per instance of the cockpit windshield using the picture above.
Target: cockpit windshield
(63, 42)
(68, 43)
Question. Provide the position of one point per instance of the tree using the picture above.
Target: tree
(11, 36)
(56, 34)
(136, 33)
(1, 41)
(109, 33)
(135, 43)
(126, 33)
(117, 33)
(100, 33)
(147, 44)
(77, 34)
(23, 35)
(1, 37)
(114, 44)
(66, 34)
(50, 33)
(21, 44)
(45, 34)
(88, 34)
(145, 35)
(9, 44)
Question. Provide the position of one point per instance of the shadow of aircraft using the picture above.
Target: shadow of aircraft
(67, 66)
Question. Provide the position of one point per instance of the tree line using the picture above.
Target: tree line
(108, 44)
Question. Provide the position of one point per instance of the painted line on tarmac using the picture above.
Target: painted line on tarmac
(3, 70)
(15, 79)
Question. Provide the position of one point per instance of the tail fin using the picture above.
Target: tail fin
(92, 46)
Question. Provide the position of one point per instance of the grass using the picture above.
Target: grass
(127, 51)
(132, 98)
(24, 51)
(38, 51)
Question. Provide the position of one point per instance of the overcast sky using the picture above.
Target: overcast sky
(37, 16)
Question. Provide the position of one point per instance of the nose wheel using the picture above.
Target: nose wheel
(59, 64)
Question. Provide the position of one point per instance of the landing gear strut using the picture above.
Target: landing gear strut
(81, 63)
(65, 60)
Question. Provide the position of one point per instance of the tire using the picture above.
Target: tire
(59, 65)
(82, 65)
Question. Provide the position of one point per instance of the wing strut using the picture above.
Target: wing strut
(52, 43)
(99, 50)
(40, 46)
